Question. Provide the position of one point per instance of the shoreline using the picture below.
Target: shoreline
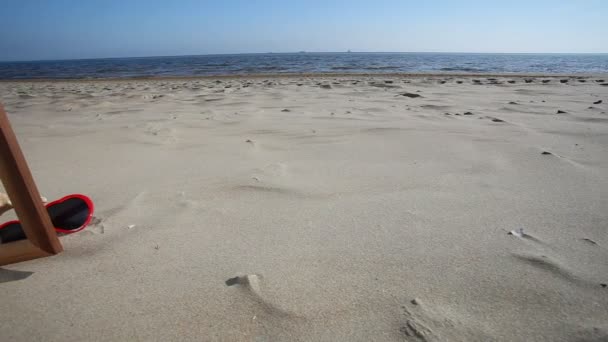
(307, 75)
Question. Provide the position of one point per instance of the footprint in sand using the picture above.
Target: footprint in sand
(414, 328)
(251, 286)
(422, 323)
(589, 241)
(556, 268)
(274, 170)
(159, 133)
(546, 263)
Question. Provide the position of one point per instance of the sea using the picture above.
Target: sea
(303, 62)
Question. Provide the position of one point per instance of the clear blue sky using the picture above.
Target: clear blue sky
(63, 29)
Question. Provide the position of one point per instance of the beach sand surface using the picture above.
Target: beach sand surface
(326, 208)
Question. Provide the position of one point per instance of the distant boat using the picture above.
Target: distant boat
(348, 51)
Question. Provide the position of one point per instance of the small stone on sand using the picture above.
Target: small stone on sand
(232, 281)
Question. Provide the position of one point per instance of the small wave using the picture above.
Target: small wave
(382, 68)
(107, 70)
(216, 65)
(258, 69)
(345, 68)
(465, 69)
(270, 68)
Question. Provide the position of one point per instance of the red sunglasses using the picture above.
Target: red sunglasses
(69, 214)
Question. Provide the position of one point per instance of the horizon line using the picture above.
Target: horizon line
(306, 52)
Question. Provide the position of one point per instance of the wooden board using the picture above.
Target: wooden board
(21, 188)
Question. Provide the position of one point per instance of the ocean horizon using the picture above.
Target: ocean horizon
(306, 62)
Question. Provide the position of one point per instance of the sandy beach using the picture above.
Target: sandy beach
(318, 208)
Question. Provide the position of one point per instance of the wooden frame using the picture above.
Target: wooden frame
(17, 179)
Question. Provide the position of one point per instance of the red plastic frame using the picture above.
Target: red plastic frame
(86, 199)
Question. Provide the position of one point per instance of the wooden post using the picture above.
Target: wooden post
(20, 187)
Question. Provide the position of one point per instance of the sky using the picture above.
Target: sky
(70, 29)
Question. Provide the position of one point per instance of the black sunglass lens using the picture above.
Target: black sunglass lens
(12, 232)
(70, 214)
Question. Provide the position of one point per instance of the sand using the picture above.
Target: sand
(328, 208)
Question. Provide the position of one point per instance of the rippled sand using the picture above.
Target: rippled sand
(334, 208)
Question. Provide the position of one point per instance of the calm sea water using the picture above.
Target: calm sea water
(307, 63)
